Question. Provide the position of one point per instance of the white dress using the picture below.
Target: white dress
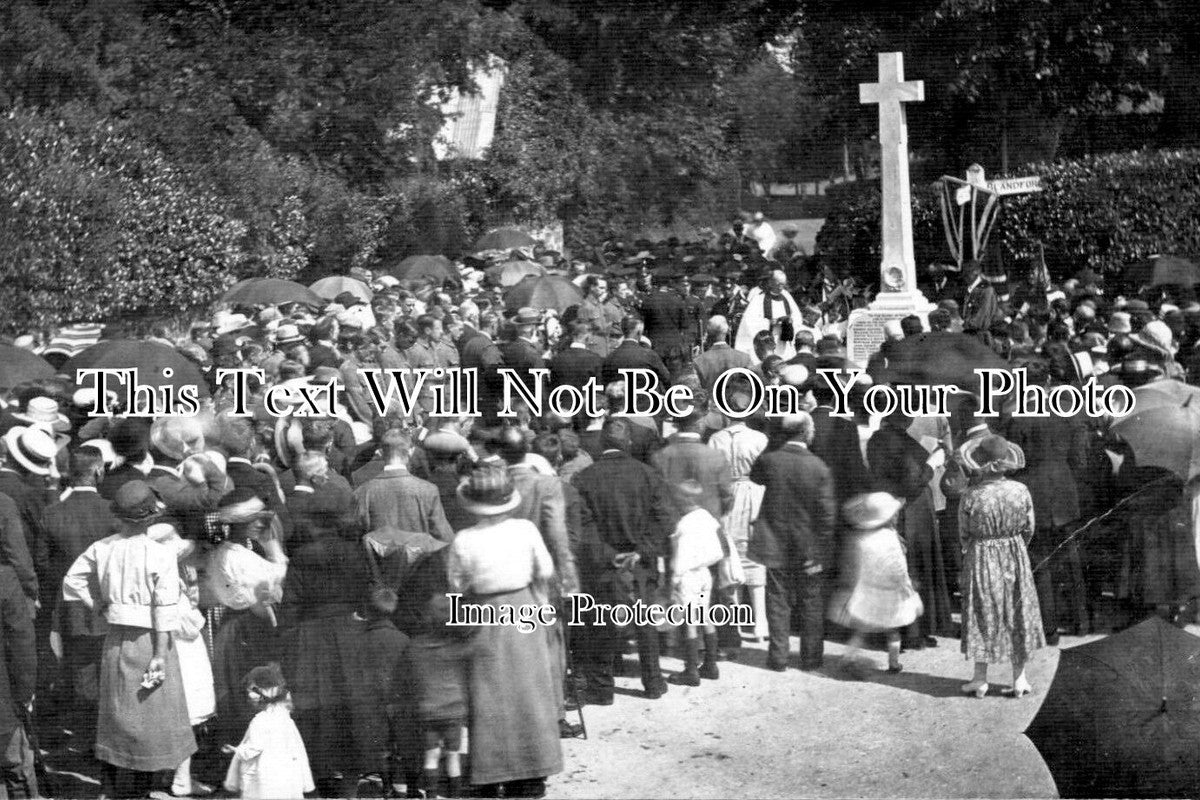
(696, 547)
(271, 762)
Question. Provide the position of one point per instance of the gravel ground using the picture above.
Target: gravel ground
(757, 733)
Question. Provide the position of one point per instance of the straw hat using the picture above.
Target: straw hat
(33, 448)
(992, 455)
(489, 491)
(871, 510)
(43, 412)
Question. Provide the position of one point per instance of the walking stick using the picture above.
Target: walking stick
(571, 684)
(39, 763)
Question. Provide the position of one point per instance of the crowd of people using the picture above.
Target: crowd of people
(277, 588)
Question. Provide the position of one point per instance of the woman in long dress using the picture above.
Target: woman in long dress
(143, 724)
(1001, 617)
(501, 561)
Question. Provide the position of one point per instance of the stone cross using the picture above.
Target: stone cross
(898, 271)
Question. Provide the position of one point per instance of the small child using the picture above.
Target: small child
(439, 659)
(271, 762)
(881, 597)
(695, 547)
(384, 667)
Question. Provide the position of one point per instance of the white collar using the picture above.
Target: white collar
(395, 468)
(76, 490)
(691, 435)
(302, 488)
(238, 460)
(578, 346)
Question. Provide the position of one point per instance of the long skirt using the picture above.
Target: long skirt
(332, 704)
(881, 596)
(1001, 617)
(198, 686)
(140, 729)
(927, 567)
(514, 721)
(747, 500)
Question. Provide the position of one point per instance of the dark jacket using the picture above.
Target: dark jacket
(686, 457)
(574, 366)
(1056, 450)
(14, 547)
(835, 441)
(69, 527)
(798, 507)
(631, 355)
(626, 506)
(898, 463)
(115, 479)
(18, 656)
(666, 316)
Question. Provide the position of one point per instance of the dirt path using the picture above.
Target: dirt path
(756, 733)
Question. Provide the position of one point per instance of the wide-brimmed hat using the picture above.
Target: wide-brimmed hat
(1119, 322)
(1137, 369)
(871, 510)
(1157, 336)
(43, 412)
(136, 502)
(33, 448)
(446, 443)
(287, 334)
(527, 316)
(992, 454)
(489, 491)
(225, 322)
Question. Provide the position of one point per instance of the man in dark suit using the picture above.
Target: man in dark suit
(576, 364)
(799, 509)
(719, 357)
(130, 440)
(632, 354)
(71, 524)
(18, 677)
(666, 317)
(479, 352)
(237, 439)
(522, 351)
(627, 514)
(981, 307)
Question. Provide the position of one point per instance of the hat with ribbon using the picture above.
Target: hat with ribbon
(34, 448)
(136, 502)
(43, 412)
(992, 455)
(489, 491)
(527, 316)
(287, 334)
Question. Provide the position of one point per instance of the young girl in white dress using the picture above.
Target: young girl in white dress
(271, 762)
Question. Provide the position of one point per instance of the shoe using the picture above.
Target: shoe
(686, 678)
(977, 688)
(1019, 690)
(811, 667)
(569, 730)
(591, 698)
(857, 668)
(929, 641)
(777, 667)
(728, 654)
(197, 789)
(1052, 639)
(894, 668)
(658, 690)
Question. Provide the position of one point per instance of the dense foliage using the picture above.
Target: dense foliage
(1103, 212)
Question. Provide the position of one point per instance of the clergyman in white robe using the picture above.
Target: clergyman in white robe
(754, 320)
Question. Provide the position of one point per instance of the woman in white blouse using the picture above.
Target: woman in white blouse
(503, 563)
(134, 583)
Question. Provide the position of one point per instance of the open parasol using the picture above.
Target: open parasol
(148, 358)
(425, 268)
(504, 239)
(331, 287)
(510, 273)
(269, 292)
(1122, 717)
(1163, 432)
(549, 291)
(18, 365)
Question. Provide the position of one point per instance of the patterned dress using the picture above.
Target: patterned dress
(1001, 618)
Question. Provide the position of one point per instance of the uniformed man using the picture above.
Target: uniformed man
(430, 351)
(600, 311)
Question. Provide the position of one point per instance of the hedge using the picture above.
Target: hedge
(93, 225)
(1103, 212)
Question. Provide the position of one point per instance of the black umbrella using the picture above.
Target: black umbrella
(149, 358)
(425, 268)
(548, 291)
(938, 358)
(1122, 717)
(270, 292)
(1163, 271)
(18, 365)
